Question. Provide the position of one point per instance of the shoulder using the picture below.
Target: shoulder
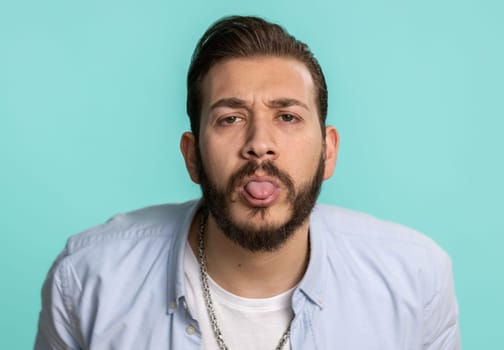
(127, 243)
(370, 249)
(143, 224)
(361, 228)
(123, 264)
(380, 274)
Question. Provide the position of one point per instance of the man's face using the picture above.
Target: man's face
(262, 155)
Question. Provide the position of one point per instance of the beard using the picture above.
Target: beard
(268, 237)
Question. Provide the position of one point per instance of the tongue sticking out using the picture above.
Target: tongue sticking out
(260, 189)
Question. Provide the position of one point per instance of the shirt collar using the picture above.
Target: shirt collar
(314, 280)
(175, 278)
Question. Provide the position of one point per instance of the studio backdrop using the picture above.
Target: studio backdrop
(92, 106)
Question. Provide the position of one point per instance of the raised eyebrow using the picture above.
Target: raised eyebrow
(286, 102)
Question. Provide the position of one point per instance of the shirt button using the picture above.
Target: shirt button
(190, 330)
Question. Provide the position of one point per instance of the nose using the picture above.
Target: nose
(260, 141)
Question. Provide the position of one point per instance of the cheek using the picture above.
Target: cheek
(304, 159)
(217, 160)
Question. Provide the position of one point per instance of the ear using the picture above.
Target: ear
(331, 150)
(188, 149)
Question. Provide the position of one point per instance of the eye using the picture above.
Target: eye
(229, 120)
(288, 118)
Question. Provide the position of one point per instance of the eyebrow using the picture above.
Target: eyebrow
(234, 102)
(231, 102)
(286, 102)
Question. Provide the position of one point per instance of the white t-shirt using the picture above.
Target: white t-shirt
(245, 323)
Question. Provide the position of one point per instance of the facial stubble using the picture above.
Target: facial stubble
(268, 237)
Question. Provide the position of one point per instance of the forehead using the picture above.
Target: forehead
(261, 77)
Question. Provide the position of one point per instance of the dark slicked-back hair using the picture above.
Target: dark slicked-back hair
(243, 36)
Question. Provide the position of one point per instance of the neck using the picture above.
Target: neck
(252, 274)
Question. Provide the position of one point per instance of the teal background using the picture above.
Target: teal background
(92, 97)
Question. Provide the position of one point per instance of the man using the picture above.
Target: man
(254, 264)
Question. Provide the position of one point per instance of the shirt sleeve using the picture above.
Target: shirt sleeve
(56, 326)
(441, 311)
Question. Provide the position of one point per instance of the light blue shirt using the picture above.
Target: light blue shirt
(369, 285)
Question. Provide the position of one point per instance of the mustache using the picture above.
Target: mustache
(270, 169)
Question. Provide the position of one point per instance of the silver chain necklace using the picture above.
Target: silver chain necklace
(208, 298)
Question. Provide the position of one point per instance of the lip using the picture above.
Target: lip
(255, 202)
